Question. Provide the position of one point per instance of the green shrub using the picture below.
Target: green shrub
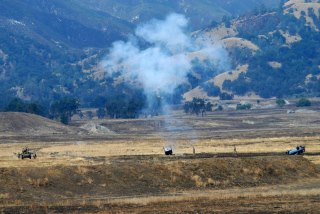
(244, 106)
(280, 102)
(303, 102)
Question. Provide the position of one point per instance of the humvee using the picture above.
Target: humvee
(27, 153)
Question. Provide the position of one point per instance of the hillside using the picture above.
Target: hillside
(48, 48)
(60, 23)
(125, 176)
(200, 12)
(14, 123)
(280, 49)
(43, 44)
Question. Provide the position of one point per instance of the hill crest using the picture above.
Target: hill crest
(17, 123)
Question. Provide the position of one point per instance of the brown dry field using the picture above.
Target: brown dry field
(126, 172)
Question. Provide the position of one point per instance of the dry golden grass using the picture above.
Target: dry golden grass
(38, 182)
(296, 189)
(290, 38)
(240, 43)
(299, 6)
(267, 191)
(314, 159)
(196, 92)
(4, 195)
(77, 153)
(230, 75)
(253, 194)
(86, 158)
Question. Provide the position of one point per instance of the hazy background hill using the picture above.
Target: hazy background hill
(52, 49)
(200, 12)
(275, 53)
(48, 47)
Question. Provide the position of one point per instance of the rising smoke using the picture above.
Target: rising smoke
(162, 64)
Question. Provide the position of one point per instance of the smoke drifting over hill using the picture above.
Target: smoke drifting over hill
(167, 60)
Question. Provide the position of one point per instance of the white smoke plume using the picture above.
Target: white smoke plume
(163, 62)
(168, 57)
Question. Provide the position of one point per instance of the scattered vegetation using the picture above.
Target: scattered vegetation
(18, 105)
(296, 59)
(197, 106)
(226, 96)
(244, 106)
(45, 84)
(64, 109)
(280, 102)
(303, 102)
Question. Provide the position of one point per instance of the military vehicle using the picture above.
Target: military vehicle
(296, 151)
(27, 153)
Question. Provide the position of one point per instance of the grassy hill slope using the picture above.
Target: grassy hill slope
(280, 48)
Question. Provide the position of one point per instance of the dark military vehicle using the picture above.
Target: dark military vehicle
(27, 153)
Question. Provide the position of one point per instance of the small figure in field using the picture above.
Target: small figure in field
(203, 112)
(25, 149)
(194, 150)
(235, 150)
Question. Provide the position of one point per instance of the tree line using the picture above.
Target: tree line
(197, 106)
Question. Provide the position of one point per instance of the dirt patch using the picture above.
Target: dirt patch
(94, 128)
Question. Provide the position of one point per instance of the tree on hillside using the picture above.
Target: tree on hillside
(197, 106)
(244, 106)
(101, 113)
(209, 106)
(125, 105)
(18, 105)
(211, 89)
(303, 102)
(226, 96)
(280, 102)
(90, 114)
(64, 109)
